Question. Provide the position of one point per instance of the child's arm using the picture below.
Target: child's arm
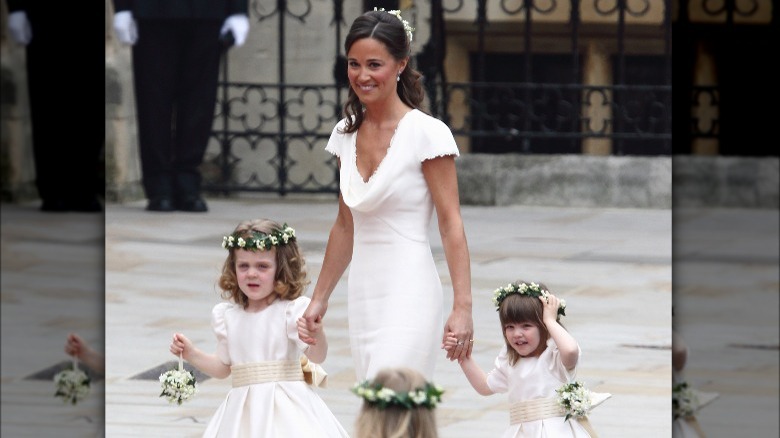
(207, 363)
(567, 345)
(76, 346)
(471, 369)
(476, 376)
(317, 351)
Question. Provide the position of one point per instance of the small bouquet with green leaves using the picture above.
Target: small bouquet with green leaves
(576, 400)
(72, 384)
(178, 384)
(685, 402)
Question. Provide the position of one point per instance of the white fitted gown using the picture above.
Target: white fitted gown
(394, 290)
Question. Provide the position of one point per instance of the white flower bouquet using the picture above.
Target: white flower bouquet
(574, 398)
(684, 400)
(178, 384)
(72, 384)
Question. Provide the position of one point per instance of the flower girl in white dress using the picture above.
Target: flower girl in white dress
(536, 367)
(257, 341)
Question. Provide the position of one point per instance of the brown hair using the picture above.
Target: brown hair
(396, 421)
(290, 278)
(519, 308)
(388, 30)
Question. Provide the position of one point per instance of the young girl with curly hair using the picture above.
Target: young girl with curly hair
(263, 279)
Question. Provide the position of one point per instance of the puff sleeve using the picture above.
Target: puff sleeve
(220, 331)
(498, 377)
(435, 139)
(552, 357)
(295, 309)
(338, 141)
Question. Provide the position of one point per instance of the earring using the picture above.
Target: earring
(398, 78)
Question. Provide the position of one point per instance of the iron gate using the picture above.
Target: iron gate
(270, 137)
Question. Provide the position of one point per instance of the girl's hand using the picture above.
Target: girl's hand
(75, 345)
(181, 345)
(450, 341)
(308, 332)
(550, 305)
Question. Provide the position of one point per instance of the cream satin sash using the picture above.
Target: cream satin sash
(541, 408)
(264, 372)
(279, 371)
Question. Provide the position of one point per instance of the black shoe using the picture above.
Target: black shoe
(55, 205)
(89, 204)
(194, 204)
(160, 204)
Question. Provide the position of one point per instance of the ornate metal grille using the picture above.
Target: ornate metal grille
(270, 137)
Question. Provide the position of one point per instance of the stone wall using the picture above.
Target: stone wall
(566, 180)
(619, 181)
(728, 182)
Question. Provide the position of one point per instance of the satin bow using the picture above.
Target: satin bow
(313, 373)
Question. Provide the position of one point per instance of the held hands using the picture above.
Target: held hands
(312, 321)
(19, 27)
(238, 24)
(125, 28)
(459, 327)
(309, 331)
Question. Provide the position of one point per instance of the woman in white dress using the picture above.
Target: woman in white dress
(258, 341)
(397, 164)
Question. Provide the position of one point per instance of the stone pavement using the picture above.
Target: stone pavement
(613, 267)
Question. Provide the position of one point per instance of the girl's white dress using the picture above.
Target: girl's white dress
(535, 378)
(275, 409)
(394, 290)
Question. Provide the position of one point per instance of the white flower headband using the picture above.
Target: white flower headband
(530, 289)
(376, 394)
(259, 241)
(407, 27)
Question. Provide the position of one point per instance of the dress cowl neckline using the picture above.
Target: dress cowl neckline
(376, 171)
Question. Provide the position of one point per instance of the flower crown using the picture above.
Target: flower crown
(530, 289)
(407, 27)
(259, 241)
(375, 394)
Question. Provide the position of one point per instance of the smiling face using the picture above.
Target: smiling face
(523, 337)
(256, 275)
(522, 325)
(372, 71)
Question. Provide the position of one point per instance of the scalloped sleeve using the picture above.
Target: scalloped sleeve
(220, 331)
(338, 141)
(295, 309)
(435, 139)
(498, 377)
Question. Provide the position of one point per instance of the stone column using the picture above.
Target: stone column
(16, 154)
(596, 107)
(705, 108)
(123, 168)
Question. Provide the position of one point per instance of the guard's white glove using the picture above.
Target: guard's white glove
(239, 25)
(19, 27)
(125, 28)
